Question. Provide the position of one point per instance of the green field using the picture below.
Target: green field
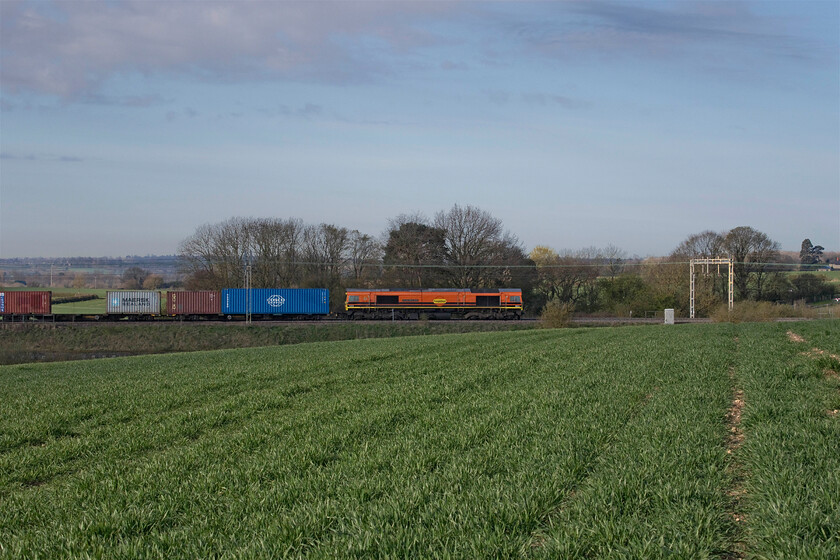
(691, 441)
(52, 342)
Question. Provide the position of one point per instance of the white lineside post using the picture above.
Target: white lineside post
(248, 295)
(691, 290)
(731, 285)
(707, 262)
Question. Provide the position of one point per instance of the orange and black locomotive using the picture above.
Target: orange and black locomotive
(440, 303)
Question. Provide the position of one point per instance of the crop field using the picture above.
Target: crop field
(64, 341)
(688, 441)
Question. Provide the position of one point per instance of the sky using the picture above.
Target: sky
(126, 125)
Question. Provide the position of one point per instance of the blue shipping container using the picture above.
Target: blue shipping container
(309, 301)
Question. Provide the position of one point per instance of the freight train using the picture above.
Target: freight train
(275, 304)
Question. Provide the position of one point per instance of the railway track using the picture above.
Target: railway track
(57, 321)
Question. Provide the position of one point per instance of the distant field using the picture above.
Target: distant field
(695, 441)
(832, 275)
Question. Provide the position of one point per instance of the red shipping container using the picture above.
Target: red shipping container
(194, 303)
(25, 303)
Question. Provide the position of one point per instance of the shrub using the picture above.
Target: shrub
(758, 311)
(556, 314)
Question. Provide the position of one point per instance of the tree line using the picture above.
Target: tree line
(466, 247)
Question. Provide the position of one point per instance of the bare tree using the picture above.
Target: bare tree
(570, 276)
(233, 251)
(365, 254)
(479, 253)
(197, 259)
(216, 254)
(79, 280)
(706, 244)
(324, 251)
(472, 239)
(614, 259)
(753, 253)
(276, 246)
(153, 282)
(710, 288)
(133, 278)
(412, 249)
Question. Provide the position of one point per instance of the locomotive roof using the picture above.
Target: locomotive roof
(468, 290)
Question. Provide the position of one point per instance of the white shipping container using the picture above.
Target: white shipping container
(134, 302)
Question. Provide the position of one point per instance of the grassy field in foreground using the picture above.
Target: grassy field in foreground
(50, 342)
(694, 441)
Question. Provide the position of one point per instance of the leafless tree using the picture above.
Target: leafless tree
(324, 250)
(275, 245)
(133, 278)
(570, 276)
(232, 249)
(365, 254)
(197, 259)
(754, 254)
(613, 259)
(215, 255)
(706, 244)
(153, 282)
(474, 242)
(412, 250)
(710, 287)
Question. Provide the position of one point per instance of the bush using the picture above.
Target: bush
(556, 315)
(758, 311)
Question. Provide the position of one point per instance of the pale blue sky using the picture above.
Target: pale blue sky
(125, 125)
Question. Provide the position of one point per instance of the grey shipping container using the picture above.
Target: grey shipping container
(134, 302)
(276, 301)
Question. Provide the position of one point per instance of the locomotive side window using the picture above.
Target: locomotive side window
(515, 299)
(353, 299)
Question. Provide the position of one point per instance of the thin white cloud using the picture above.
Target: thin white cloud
(39, 157)
(660, 30)
(70, 48)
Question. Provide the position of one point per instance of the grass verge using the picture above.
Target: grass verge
(48, 342)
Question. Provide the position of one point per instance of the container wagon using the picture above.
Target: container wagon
(267, 303)
(25, 304)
